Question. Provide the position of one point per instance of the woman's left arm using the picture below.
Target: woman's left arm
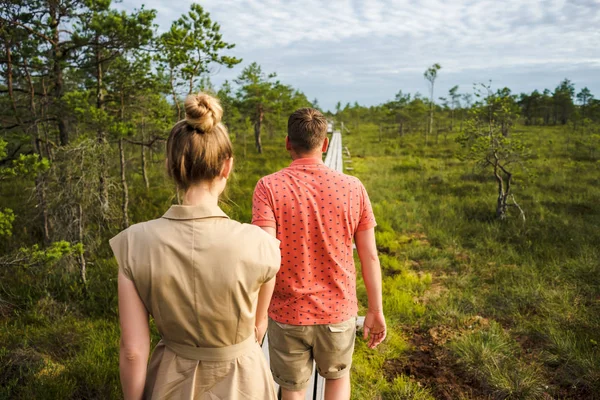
(135, 339)
(264, 296)
(262, 315)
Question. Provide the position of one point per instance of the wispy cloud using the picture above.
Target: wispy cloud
(367, 50)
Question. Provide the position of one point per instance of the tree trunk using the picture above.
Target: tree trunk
(144, 173)
(257, 127)
(503, 190)
(44, 111)
(40, 189)
(9, 80)
(504, 128)
(82, 262)
(192, 75)
(57, 68)
(175, 100)
(100, 134)
(125, 203)
(430, 127)
(40, 184)
(501, 200)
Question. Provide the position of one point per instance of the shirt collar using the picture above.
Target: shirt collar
(194, 212)
(307, 161)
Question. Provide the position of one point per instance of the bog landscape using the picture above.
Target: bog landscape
(487, 202)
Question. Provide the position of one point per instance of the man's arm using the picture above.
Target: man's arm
(371, 273)
(135, 339)
(270, 230)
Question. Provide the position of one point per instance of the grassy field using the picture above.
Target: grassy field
(481, 308)
(477, 308)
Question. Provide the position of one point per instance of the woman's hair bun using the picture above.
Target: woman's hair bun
(202, 112)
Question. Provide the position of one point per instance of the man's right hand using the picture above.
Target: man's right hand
(375, 328)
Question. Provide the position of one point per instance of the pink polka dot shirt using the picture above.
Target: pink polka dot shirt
(316, 211)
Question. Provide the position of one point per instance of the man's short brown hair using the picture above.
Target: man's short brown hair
(307, 128)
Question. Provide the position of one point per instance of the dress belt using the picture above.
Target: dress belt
(212, 353)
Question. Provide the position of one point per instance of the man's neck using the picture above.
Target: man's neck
(318, 155)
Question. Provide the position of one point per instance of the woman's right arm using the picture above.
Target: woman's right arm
(135, 339)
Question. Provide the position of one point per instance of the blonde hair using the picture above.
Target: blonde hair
(198, 145)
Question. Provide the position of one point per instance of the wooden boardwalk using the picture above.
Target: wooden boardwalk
(334, 160)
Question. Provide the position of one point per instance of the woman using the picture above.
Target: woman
(203, 278)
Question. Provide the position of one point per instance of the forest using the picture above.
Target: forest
(486, 202)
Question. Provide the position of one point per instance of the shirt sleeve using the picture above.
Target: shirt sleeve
(262, 207)
(367, 217)
(120, 248)
(271, 255)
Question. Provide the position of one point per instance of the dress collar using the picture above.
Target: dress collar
(194, 212)
(307, 161)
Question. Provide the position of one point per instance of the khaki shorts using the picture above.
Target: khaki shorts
(293, 348)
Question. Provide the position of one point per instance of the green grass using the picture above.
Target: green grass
(536, 283)
(491, 356)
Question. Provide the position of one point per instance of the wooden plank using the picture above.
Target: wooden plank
(320, 389)
(333, 158)
(310, 390)
(360, 322)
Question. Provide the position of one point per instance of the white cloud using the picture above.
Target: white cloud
(350, 44)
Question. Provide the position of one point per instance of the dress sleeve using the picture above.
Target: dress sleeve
(367, 217)
(120, 248)
(262, 207)
(271, 257)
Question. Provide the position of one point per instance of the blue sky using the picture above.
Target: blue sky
(365, 51)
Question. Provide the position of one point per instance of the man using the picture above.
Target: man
(316, 212)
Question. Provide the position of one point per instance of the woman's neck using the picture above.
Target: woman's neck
(201, 194)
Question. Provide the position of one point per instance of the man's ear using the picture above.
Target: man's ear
(325, 145)
(288, 145)
(227, 168)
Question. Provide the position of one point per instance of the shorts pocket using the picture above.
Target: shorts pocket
(339, 336)
(342, 326)
(338, 328)
(287, 327)
(283, 336)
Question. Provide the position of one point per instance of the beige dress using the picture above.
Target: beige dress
(199, 274)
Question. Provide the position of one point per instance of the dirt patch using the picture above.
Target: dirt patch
(434, 292)
(6, 310)
(432, 365)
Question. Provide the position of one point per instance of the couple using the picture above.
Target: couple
(214, 285)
